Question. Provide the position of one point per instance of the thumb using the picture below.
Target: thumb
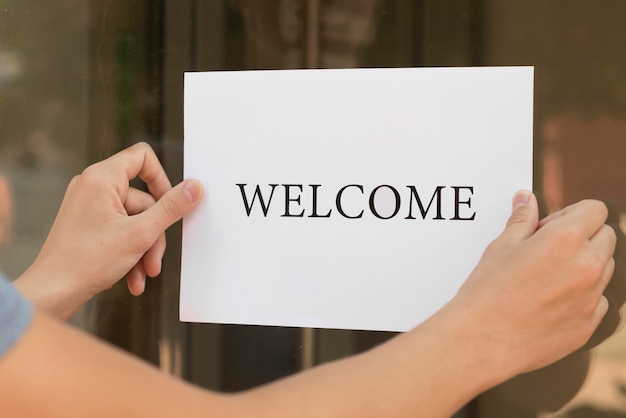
(174, 204)
(524, 219)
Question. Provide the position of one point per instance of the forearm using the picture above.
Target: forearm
(56, 371)
(431, 371)
(50, 294)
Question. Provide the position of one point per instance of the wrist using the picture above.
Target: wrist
(472, 358)
(49, 294)
(484, 351)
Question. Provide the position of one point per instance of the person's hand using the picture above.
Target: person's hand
(105, 229)
(537, 292)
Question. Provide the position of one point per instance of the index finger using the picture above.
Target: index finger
(140, 160)
(589, 214)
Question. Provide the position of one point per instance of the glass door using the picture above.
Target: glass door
(81, 80)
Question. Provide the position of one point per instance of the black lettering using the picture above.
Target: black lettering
(294, 208)
(314, 214)
(288, 200)
(338, 201)
(258, 193)
(424, 212)
(458, 202)
(373, 207)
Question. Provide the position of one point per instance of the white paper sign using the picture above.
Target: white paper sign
(355, 199)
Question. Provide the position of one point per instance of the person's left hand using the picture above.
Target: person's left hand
(105, 229)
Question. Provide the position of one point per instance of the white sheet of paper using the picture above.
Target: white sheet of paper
(461, 138)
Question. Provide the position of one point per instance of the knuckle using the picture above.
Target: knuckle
(610, 235)
(597, 207)
(90, 175)
(75, 180)
(590, 271)
(587, 307)
(610, 267)
(143, 147)
(171, 208)
(517, 217)
(596, 263)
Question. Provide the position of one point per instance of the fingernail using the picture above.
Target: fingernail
(192, 190)
(521, 198)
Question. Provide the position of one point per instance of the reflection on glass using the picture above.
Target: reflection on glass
(579, 139)
(316, 34)
(43, 119)
(113, 76)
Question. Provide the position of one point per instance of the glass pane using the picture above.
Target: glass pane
(81, 80)
(579, 137)
(44, 120)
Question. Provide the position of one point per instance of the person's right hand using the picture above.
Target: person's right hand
(106, 229)
(537, 292)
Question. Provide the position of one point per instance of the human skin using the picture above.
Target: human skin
(534, 297)
(106, 229)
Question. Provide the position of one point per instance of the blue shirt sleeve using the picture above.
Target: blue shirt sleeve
(16, 314)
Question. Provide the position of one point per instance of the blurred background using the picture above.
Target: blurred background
(82, 80)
